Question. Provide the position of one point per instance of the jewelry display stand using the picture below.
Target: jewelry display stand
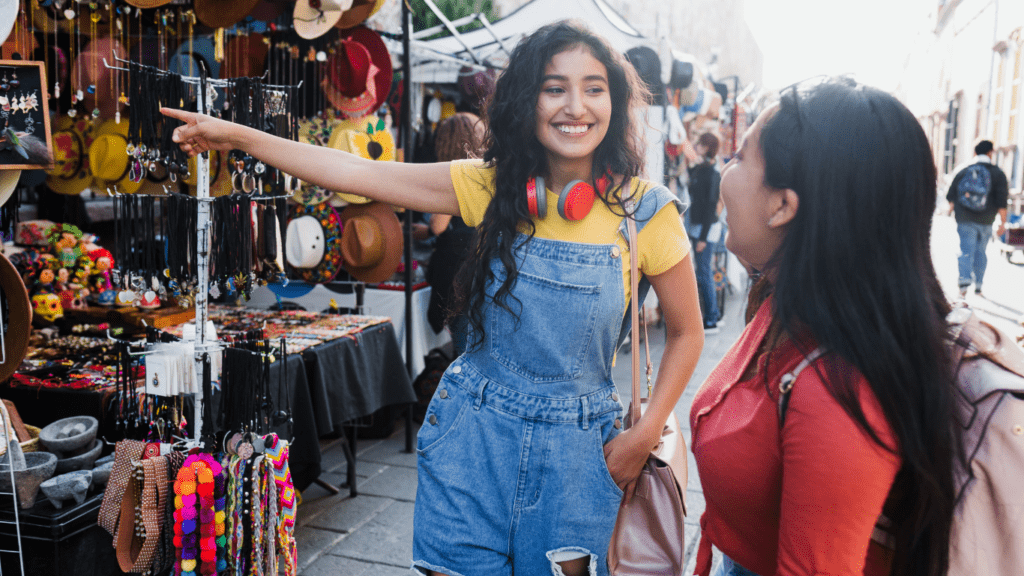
(203, 223)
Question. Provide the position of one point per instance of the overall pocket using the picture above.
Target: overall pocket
(548, 342)
(445, 412)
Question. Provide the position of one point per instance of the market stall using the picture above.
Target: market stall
(156, 423)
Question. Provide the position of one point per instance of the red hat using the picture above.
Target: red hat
(379, 58)
(349, 67)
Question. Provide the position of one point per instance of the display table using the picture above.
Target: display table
(376, 302)
(332, 382)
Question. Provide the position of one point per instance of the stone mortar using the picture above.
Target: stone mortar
(82, 461)
(40, 467)
(67, 486)
(51, 435)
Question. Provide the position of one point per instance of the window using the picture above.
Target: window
(1011, 132)
(952, 135)
(997, 100)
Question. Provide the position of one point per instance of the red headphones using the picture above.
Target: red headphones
(574, 201)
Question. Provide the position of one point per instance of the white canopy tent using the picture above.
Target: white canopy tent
(432, 62)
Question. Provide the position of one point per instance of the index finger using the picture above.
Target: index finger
(183, 115)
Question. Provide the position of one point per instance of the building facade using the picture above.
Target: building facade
(964, 84)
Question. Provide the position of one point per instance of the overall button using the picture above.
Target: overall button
(615, 397)
(433, 420)
(615, 251)
(443, 394)
(618, 422)
(457, 370)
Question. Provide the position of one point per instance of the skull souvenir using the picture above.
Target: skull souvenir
(47, 307)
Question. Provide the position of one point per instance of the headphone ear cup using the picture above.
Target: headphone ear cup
(542, 198)
(576, 200)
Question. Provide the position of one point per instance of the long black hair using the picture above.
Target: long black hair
(516, 154)
(855, 271)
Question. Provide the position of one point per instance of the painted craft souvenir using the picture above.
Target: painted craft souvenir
(47, 307)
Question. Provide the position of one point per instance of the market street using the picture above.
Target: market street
(371, 535)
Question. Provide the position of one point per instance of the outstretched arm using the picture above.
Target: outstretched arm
(422, 187)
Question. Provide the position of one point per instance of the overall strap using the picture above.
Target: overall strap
(653, 200)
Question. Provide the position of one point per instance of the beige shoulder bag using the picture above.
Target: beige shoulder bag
(648, 535)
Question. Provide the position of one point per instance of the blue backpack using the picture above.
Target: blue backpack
(972, 191)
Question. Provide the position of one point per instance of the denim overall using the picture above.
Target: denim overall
(512, 474)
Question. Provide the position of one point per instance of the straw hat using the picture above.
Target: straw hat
(330, 254)
(109, 160)
(148, 3)
(364, 145)
(313, 18)
(359, 12)
(71, 140)
(8, 183)
(96, 78)
(371, 241)
(223, 13)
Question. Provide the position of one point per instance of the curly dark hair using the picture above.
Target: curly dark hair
(855, 271)
(516, 154)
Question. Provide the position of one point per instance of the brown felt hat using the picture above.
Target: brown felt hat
(223, 13)
(371, 241)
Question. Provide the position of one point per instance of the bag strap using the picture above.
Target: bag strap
(634, 279)
(786, 383)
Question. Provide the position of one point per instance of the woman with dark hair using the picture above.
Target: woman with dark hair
(457, 138)
(522, 457)
(703, 214)
(848, 469)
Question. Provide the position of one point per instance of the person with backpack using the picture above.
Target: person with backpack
(825, 438)
(701, 217)
(977, 194)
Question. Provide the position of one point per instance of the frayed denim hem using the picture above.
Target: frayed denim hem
(417, 566)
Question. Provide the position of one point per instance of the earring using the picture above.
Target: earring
(4, 84)
(14, 80)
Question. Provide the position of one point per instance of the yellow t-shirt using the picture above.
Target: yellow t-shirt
(663, 242)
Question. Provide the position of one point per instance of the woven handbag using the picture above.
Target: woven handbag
(648, 536)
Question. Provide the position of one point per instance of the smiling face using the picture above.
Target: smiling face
(574, 106)
(749, 202)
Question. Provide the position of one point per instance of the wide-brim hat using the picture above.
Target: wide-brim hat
(371, 241)
(304, 242)
(348, 67)
(8, 14)
(223, 13)
(315, 131)
(331, 261)
(191, 56)
(109, 160)
(245, 56)
(148, 3)
(359, 12)
(359, 143)
(71, 140)
(312, 22)
(8, 183)
(98, 80)
(380, 58)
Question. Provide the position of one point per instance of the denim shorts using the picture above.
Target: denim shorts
(511, 483)
(730, 568)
